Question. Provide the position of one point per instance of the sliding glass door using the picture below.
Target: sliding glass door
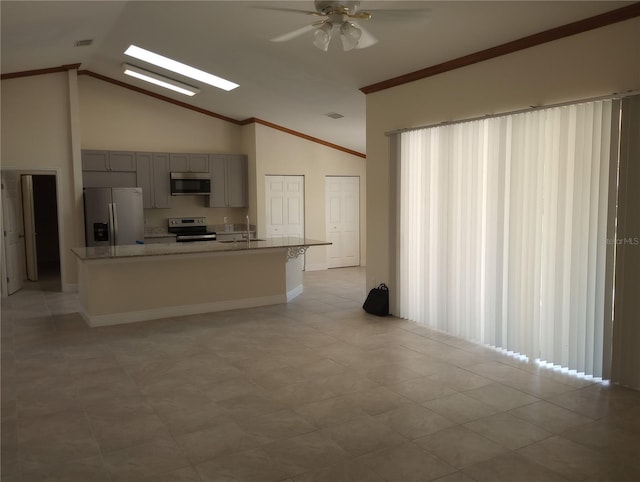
(504, 226)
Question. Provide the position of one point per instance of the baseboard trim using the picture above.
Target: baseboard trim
(171, 311)
(69, 287)
(295, 292)
(315, 267)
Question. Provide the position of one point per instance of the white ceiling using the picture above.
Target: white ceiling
(292, 84)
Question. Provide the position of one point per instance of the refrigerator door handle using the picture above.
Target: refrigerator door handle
(113, 223)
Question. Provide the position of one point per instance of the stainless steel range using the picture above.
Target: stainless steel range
(190, 229)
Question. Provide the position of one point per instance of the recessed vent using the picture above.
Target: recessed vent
(334, 115)
(83, 43)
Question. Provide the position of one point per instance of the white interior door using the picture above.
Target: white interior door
(30, 234)
(13, 240)
(284, 206)
(343, 220)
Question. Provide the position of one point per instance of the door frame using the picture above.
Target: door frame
(29, 226)
(61, 228)
(359, 212)
(304, 206)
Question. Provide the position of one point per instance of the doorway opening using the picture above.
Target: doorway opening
(31, 247)
(45, 236)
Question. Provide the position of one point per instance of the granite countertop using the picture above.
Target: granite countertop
(220, 233)
(156, 232)
(198, 247)
(159, 235)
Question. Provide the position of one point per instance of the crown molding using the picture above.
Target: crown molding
(29, 73)
(591, 23)
(255, 120)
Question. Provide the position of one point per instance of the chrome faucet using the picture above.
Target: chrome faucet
(248, 230)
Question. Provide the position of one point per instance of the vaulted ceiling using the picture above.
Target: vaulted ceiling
(292, 84)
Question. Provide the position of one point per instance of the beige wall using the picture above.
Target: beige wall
(279, 153)
(249, 148)
(122, 119)
(36, 136)
(599, 62)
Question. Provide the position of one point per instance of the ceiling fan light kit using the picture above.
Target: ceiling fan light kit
(322, 36)
(350, 35)
(338, 16)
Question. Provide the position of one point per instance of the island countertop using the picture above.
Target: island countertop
(198, 247)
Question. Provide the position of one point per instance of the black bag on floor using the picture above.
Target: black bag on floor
(377, 302)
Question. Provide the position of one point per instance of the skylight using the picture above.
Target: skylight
(179, 68)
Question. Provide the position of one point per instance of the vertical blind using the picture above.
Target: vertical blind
(502, 228)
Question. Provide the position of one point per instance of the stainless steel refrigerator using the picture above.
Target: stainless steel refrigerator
(113, 216)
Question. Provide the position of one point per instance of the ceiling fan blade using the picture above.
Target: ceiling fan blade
(360, 15)
(366, 39)
(399, 14)
(290, 10)
(296, 33)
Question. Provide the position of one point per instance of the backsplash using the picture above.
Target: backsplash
(192, 206)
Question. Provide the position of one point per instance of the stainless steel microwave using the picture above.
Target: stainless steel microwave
(190, 184)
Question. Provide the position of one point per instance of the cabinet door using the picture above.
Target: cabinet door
(95, 160)
(198, 163)
(179, 162)
(144, 177)
(218, 197)
(108, 179)
(161, 183)
(122, 161)
(237, 181)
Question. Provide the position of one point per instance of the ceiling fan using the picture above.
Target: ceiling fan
(338, 18)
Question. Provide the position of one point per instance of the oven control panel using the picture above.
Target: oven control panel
(186, 222)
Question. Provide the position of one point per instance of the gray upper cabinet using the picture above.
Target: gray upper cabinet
(217, 168)
(237, 181)
(108, 168)
(153, 178)
(151, 171)
(144, 177)
(228, 181)
(189, 162)
(122, 161)
(95, 160)
(161, 183)
(106, 161)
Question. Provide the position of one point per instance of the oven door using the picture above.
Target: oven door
(186, 238)
(190, 184)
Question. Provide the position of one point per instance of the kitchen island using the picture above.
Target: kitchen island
(124, 284)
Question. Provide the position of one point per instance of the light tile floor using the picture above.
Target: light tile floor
(316, 390)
